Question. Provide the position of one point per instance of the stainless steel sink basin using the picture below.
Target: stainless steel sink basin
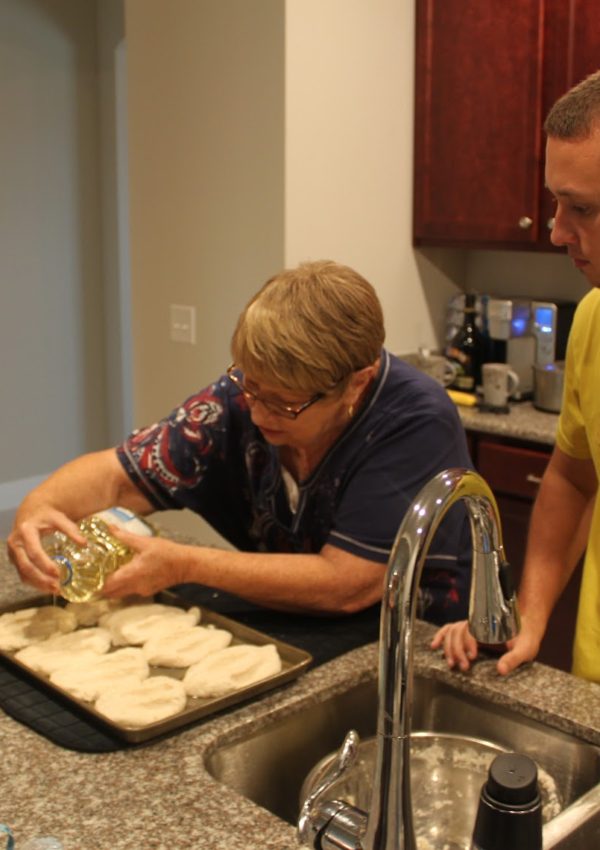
(270, 765)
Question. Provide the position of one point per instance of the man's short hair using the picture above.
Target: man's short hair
(576, 113)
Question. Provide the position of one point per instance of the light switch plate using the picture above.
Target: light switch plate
(182, 323)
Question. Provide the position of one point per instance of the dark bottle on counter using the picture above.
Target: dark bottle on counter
(509, 816)
(467, 350)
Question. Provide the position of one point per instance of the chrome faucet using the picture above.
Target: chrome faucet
(493, 619)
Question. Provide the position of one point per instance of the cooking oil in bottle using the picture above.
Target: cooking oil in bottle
(83, 569)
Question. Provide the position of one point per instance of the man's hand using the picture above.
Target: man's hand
(460, 647)
(157, 564)
(25, 550)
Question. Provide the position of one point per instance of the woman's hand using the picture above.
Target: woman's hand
(157, 563)
(460, 647)
(24, 546)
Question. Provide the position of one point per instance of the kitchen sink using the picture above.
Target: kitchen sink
(270, 765)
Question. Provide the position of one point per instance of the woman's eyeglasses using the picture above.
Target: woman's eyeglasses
(276, 407)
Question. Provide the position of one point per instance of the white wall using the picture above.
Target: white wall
(349, 114)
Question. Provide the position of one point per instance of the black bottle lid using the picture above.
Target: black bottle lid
(512, 780)
(509, 816)
(470, 304)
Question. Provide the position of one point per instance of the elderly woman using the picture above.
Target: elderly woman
(304, 455)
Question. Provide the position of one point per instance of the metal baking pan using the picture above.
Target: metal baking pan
(294, 662)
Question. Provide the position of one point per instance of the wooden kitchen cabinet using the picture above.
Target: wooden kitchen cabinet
(486, 75)
(513, 470)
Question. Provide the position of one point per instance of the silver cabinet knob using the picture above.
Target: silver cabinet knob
(550, 223)
(533, 479)
(525, 222)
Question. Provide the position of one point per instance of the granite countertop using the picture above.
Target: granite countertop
(522, 422)
(159, 795)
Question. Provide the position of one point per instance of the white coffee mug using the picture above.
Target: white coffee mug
(436, 365)
(499, 383)
(441, 369)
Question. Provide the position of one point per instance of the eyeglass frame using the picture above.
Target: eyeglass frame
(283, 410)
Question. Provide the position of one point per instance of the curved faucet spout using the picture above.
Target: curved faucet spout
(493, 619)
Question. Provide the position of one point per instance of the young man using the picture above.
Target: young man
(566, 517)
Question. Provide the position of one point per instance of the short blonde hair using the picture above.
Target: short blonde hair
(309, 328)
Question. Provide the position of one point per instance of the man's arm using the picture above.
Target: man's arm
(89, 483)
(556, 540)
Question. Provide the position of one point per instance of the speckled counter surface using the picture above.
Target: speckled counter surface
(161, 796)
(522, 422)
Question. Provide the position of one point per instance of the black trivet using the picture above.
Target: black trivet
(52, 718)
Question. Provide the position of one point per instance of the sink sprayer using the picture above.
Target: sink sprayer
(493, 619)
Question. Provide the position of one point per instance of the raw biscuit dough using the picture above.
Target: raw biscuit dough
(230, 669)
(152, 700)
(136, 624)
(113, 618)
(89, 613)
(12, 629)
(45, 660)
(63, 650)
(185, 647)
(28, 626)
(123, 667)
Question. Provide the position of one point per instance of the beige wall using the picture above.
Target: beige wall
(257, 140)
(114, 228)
(206, 163)
(525, 273)
(206, 180)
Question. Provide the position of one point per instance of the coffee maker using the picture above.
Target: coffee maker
(551, 323)
(512, 339)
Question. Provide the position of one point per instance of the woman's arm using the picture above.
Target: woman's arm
(331, 582)
(89, 483)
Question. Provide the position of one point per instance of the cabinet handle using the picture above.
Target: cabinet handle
(525, 222)
(550, 223)
(533, 479)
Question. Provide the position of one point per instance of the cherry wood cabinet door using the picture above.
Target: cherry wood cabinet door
(478, 117)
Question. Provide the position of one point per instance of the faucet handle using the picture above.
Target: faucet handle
(313, 818)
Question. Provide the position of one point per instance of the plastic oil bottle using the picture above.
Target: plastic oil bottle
(83, 569)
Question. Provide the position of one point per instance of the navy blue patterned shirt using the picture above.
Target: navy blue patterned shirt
(208, 456)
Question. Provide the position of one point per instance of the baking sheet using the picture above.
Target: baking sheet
(294, 662)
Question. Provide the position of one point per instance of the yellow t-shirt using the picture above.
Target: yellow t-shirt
(579, 436)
